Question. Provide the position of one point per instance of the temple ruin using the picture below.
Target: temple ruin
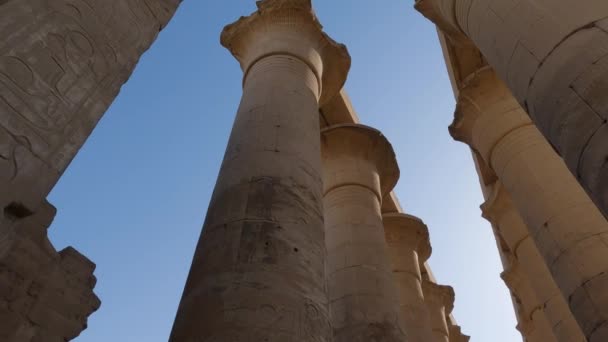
(313, 238)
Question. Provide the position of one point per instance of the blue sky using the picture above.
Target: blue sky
(135, 197)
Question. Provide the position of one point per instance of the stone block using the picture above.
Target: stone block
(593, 170)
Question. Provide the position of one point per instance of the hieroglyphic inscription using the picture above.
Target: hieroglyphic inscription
(62, 63)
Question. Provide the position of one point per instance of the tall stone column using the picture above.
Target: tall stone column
(565, 225)
(501, 212)
(409, 247)
(553, 56)
(258, 270)
(359, 169)
(534, 325)
(439, 300)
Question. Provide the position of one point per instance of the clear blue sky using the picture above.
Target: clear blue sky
(135, 197)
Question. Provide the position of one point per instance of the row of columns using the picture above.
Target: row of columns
(294, 245)
(546, 312)
(567, 228)
(551, 56)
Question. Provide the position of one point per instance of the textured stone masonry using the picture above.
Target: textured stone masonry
(500, 211)
(45, 295)
(409, 246)
(440, 303)
(62, 63)
(566, 226)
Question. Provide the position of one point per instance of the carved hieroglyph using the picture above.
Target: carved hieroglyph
(258, 272)
(553, 55)
(62, 63)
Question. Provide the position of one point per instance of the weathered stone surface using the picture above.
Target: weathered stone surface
(409, 247)
(359, 169)
(564, 223)
(62, 63)
(45, 295)
(553, 55)
(524, 256)
(534, 325)
(258, 272)
(440, 303)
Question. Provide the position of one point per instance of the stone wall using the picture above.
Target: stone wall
(62, 64)
(45, 295)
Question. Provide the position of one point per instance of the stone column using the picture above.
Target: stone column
(534, 325)
(566, 226)
(359, 169)
(258, 270)
(439, 300)
(409, 247)
(500, 211)
(553, 56)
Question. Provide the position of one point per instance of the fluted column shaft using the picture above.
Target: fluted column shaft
(565, 225)
(409, 246)
(258, 270)
(359, 169)
(552, 55)
(439, 300)
(499, 210)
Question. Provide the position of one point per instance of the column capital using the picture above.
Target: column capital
(358, 155)
(513, 277)
(525, 326)
(289, 27)
(403, 228)
(443, 14)
(440, 295)
(478, 91)
(485, 112)
(497, 203)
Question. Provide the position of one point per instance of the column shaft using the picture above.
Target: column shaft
(500, 211)
(258, 269)
(440, 302)
(363, 299)
(534, 325)
(409, 246)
